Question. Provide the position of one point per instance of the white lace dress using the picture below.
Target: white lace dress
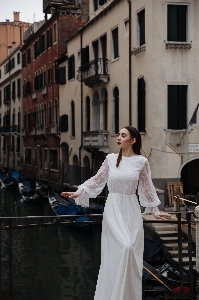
(120, 275)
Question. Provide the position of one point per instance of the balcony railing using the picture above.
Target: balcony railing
(95, 139)
(48, 3)
(54, 128)
(94, 71)
(15, 128)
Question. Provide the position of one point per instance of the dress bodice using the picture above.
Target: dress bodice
(132, 173)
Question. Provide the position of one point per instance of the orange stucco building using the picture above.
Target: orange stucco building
(11, 34)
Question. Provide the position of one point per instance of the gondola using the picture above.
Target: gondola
(9, 179)
(29, 190)
(66, 206)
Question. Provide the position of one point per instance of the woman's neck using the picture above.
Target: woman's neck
(128, 152)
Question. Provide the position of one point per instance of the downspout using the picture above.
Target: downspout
(81, 122)
(130, 102)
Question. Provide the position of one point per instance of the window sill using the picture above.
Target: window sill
(115, 59)
(54, 170)
(138, 50)
(178, 45)
(175, 130)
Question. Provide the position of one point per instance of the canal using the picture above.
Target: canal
(49, 263)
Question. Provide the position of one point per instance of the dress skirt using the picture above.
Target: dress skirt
(122, 245)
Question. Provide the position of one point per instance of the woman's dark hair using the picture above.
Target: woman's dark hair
(136, 146)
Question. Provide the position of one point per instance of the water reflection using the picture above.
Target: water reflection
(49, 263)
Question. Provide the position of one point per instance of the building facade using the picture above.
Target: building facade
(11, 106)
(40, 77)
(11, 34)
(126, 67)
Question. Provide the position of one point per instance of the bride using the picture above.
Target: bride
(122, 240)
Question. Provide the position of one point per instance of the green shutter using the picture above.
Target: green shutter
(172, 107)
(182, 104)
(172, 30)
(182, 23)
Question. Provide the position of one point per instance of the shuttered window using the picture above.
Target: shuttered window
(177, 107)
(72, 118)
(141, 105)
(177, 23)
(116, 110)
(115, 43)
(85, 58)
(71, 67)
(141, 24)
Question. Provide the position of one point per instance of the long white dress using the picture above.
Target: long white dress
(120, 274)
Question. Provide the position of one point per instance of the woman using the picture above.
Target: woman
(120, 275)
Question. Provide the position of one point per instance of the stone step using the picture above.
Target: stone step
(166, 233)
(166, 227)
(174, 253)
(174, 246)
(168, 239)
(186, 260)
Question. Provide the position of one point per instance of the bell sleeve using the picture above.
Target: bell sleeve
(93, 186)
(147, 194)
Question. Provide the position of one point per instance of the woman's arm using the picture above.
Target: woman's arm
(91, 187)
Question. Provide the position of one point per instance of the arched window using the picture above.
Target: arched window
(72, 118)
(88, 114)
(116, 110)
(45, 113)
(141, 104)
(56, 112)
(50, 113)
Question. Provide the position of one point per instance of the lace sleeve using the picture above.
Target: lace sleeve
(93, 186)
(147, 194)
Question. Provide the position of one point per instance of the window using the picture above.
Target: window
(24, 60)
(18, 144)
(115, 43)
(7, 93)
(177, 23)
(88, 114)
(71, 67)
(55, 32)
(19, 87)
(13, 90)
(97, 3)
(177, 107)
(49, 75)
(141, 27)
(45, 158)
(18, 58)
(63, 123)
(49, 38)
(53, 159)
(126, 27)
(12, 63)
(28, 156)
(35, 157)
(49, 113)
(85, 58)
(60, 75)
(28, 56)
(72, 118)
(141, 104)
(19, 120)
(116, 110)
(56, 112)
(0, 97)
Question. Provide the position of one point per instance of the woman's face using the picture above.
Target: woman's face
(124, 140)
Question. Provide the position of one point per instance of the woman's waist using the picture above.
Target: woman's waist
(123, 194)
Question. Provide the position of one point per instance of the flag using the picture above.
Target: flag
(193, 119)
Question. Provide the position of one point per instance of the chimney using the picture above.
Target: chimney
(16, 16)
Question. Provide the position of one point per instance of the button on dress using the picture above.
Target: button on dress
(122, 239)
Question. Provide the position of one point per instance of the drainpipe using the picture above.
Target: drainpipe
(130, 102)
(81, 124)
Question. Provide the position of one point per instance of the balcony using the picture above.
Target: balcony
(47, 4)
(93, 72)
(96, 140)
(54, 129)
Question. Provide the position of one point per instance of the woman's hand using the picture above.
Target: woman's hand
(69, 194)
(162, 215)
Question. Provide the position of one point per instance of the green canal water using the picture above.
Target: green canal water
(49, 263)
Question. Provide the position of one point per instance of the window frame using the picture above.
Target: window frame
(187, 21)
(114, 57)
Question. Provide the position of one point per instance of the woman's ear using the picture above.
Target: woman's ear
(133, 141)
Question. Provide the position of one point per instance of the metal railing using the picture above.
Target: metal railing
(194, 292)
